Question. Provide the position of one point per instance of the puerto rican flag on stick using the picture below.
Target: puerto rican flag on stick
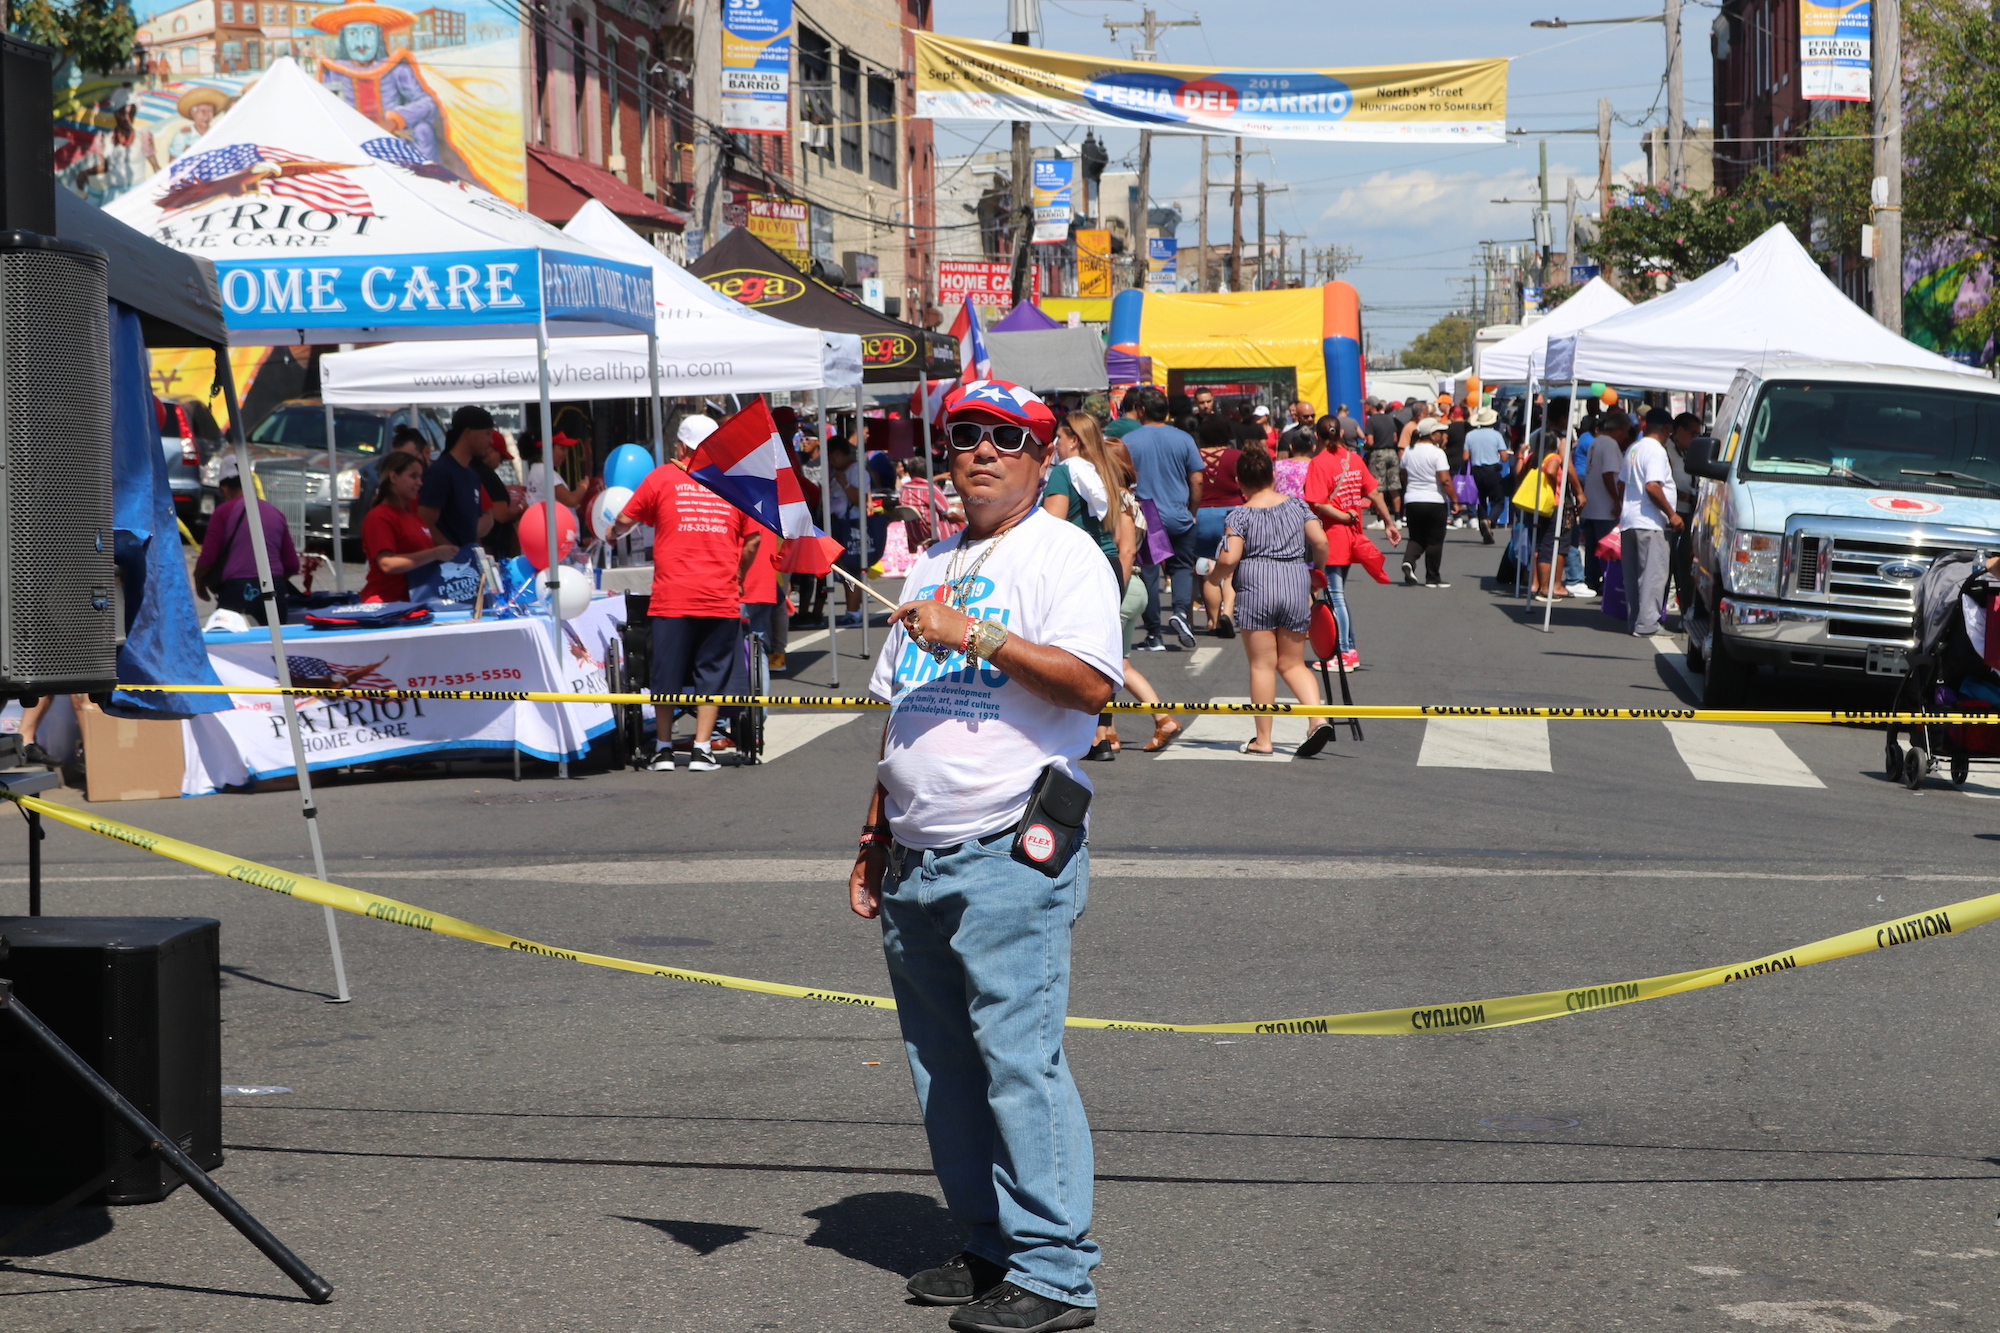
(743, 460)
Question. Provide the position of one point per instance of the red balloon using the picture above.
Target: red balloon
(534, 534)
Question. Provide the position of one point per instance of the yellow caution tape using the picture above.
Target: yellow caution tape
(850, 703)
(1504, 1012)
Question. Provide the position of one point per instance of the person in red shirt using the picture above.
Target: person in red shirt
(1340, 488)
(393, 538)
(703, 547)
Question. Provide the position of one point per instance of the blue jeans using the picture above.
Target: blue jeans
(1180, 580)
(1336, 593)
(978, 952)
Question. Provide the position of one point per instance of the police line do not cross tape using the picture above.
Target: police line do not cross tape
(1472, 1016)
(1850, 717)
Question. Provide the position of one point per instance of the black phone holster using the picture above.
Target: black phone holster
(1051, 828)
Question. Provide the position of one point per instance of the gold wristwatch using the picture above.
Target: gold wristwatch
(987, 638)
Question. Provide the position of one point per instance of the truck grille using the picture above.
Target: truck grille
(1853, 577)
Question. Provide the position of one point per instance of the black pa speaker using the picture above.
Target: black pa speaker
(140, 999)
(59, 622)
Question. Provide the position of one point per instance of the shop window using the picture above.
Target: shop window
(881, 130)
(850, 112)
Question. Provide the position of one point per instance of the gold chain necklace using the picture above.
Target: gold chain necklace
(956, 590)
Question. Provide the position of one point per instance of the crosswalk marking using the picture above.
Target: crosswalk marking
(1203, 659)
(1217, 736)
(785, 732)
(1521, 744)
(1731, 752)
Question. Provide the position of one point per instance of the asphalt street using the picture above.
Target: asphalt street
(485, 1140)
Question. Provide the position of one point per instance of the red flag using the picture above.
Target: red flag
(809, 555)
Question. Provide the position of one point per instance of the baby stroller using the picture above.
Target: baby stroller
(1948, 672)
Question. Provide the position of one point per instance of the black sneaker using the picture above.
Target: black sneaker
(1410, 579)
(963, 1278)
(1009, 1309)
(35, 754)
(1182, 631)
(1151, 645)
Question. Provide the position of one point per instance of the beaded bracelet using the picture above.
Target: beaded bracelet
(971, 632)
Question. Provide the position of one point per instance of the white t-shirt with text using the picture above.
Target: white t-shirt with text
(965, 743)
(1423, 464)
(1646, 461)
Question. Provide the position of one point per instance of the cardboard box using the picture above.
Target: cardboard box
(128, 760)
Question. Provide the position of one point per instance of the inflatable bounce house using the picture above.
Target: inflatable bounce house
(1269, 347)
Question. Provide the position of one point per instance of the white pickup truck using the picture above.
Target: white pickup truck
(1826, 491)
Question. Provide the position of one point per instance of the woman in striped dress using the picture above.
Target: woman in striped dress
(1272, 543)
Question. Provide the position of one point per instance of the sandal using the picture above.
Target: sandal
(1245, 749)
(1315, 742)
(1164, 734)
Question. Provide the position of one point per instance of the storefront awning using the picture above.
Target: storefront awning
(558, 185)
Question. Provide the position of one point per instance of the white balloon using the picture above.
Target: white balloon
(573, 596)
(604, 510)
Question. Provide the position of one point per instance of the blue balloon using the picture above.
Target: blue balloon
(628, 466)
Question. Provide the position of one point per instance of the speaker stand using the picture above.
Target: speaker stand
(316, 1288)
(26, 782)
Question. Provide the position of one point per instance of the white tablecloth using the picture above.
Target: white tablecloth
(231, 749)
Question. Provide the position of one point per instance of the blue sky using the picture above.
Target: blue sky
(1415, 213)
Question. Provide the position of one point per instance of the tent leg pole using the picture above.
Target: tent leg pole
(553, 580)
(659, 405)
(826, 517)
(861, 519)
(267, 588)
(333, 499)
(1562, 493)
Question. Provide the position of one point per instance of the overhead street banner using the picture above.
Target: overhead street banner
(1460, 101)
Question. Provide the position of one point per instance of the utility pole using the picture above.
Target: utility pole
(1676, 119)
(1544, 242)
(1603, 156)
(1886, 194)
(1236, 222)
(1023, 17)
(1260, 236)
(1201, 275)
(1281, 256)
(1150, 26)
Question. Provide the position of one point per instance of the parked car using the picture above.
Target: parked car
(1827, 490)
(288, 454)
(188, 436)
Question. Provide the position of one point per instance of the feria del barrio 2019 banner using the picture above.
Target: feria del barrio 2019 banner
(1460, 101)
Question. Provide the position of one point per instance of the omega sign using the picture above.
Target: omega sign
(753, 288)
(887, 349)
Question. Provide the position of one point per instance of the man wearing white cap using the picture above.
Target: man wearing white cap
(703, 546)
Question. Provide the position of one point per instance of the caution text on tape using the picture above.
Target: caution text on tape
(849, 703)
(1476, 1015)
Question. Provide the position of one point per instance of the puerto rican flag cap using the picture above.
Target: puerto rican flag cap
(997, 400)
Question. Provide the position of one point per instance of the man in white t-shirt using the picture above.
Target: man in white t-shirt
(1602, 468)
(1003, 651)
(1646, 518)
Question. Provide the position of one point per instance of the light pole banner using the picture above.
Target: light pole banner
(1834, 56)
(1459, 101)
(756, 65)
(1055, 178)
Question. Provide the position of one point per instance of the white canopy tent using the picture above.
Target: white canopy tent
(1767, 300)
(326, 228)
(706, 343)
(1518, 356)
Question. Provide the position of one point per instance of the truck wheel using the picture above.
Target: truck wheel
(1725, 681)
(1694, 657)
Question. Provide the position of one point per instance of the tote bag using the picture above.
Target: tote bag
(1535, 494)
(1466, 488)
